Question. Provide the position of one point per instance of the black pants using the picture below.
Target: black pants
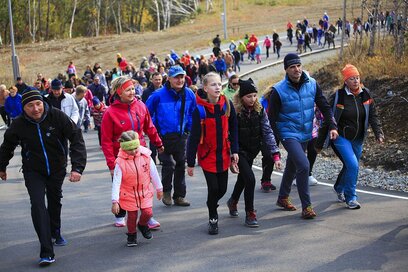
(173, 161)
(98, 128)
(46, 219)
(217, 187)
(267, 164)
(245, 182)
(311, 154)
(4, 116)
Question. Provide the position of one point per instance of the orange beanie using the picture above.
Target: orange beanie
(349, 71)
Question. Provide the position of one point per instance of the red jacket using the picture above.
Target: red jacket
(214, 138)
(121, 117)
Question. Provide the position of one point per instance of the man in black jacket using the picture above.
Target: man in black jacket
(43, 133)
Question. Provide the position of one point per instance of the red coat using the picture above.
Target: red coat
(121, 117)
(211, 143)
(135, 190)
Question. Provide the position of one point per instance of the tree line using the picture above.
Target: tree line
(42, 20)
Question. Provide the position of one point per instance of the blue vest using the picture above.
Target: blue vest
(295, 120)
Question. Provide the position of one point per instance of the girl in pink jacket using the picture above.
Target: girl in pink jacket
(131, 188)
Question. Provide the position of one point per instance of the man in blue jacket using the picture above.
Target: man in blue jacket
(171, 108)
(291, 113)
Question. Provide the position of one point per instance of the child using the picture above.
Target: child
(13, 105)
(254, 132)
(213, 137)
(97, 112)
(134, 168)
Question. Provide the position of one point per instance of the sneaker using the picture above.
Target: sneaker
(340, 196)
(353, 204)
(273, 187)
(120, 222)
(312, 181)
(145, 231)
(46, 261)
(153, 224)
(213, 226)
(232, 206)
(250, 219)
(308, 213)
(180, 201)
(285, 203)
(58, 239)
(131, 239)
(266, 186)
(167, 198)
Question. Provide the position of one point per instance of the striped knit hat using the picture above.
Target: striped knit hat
(31, 94)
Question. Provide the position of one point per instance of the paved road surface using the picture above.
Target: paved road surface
(374, 238)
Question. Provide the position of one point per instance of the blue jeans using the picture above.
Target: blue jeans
(297, 165)
(349, 152)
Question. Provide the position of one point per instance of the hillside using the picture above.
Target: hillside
(52, 57)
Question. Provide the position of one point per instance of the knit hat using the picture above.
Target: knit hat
(349, 71)
(291, 59)
(95, 101)
(176, 70)
(246, 87)
(30, 94)
(56, 84)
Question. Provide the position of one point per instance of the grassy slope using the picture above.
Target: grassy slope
(53, 56)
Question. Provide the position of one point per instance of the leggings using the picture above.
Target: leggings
(311, 154)
(217, 187)
(245, 180)
(145, 216)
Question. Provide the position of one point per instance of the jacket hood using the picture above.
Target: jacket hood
(202, 100)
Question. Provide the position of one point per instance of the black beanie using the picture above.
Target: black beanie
(69, 85)
(29, 95)
(291, 59)
(246, 87)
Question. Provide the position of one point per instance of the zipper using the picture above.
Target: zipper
(44, 151)
(358, 117)
(131, 119)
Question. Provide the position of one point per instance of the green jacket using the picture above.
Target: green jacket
(229, 92)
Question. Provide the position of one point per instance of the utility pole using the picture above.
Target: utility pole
(343, 30)
(225, 20)
(14, 58)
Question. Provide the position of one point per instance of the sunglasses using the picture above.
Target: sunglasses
(235, 84)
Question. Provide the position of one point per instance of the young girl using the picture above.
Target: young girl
(131, 188)
(254, 132)
(214, 138)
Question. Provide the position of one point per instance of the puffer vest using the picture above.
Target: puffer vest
(135, 189)
(295, 120)
(250, 132)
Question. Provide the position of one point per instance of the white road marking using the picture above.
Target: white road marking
(331, 185)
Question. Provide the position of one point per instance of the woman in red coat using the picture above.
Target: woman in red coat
(126, 113)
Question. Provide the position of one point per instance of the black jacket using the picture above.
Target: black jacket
(44, 144)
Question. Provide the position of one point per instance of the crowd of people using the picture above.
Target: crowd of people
(180, 106)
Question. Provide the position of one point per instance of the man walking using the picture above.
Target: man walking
(171, 107)
(43, 133)
(291, 113)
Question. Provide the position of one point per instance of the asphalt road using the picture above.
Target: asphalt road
(374, 238)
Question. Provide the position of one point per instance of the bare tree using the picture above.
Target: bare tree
(373, 27)
(119, 16)
(31, 23)
(98, 6)
(48, 20)
(156, 5)
(72, 19)
(39, 19)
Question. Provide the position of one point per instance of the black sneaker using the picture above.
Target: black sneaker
(145, 231)
(232, 206)
(131, 239)
(46, 261)
(213, 226)
(250, 219)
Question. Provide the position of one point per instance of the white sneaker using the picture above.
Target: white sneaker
(120, 222)
(312, 181)
(153, 224)
(3, 127)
